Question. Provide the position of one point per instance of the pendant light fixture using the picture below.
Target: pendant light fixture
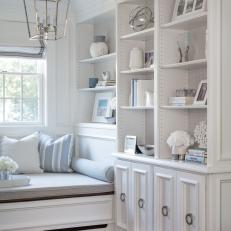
(46, 19)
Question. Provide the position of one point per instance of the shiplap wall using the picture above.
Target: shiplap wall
(60, 76)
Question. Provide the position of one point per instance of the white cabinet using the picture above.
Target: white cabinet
(141, 204)
(122, 172)
(191, 202)
(164, 199)
(134, 202)
(179, 201)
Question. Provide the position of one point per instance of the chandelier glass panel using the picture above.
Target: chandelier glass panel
(46, 19)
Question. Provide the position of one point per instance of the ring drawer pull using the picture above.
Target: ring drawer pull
(141, 203)
(122, 197)
(165, 211)
(189, 219)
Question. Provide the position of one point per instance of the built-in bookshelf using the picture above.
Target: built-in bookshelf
(155, 124)
(133, 119)
(93, 67)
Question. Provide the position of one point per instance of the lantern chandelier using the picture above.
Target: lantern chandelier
(46, 19)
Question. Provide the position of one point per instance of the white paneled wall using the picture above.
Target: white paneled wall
(60, 92)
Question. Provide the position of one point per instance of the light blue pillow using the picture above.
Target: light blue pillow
(56, 154)
(99, 170)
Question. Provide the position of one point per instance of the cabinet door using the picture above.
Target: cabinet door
(142, 203)
(190, 202)
(122, 172)
(164, 199)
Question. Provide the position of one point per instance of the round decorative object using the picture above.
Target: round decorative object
(179, 141)
(99, 47)
(141, 18)
(200, 134)
(136, 58)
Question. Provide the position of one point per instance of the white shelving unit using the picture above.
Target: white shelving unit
(146, 34)
(186, 65)
(190, 107)
(138, 71)
(179, 190)
(133, 120)
(96, 89)
(188, 23)
(100, 59)
(102, 24)
(136, 108)
(168, 74)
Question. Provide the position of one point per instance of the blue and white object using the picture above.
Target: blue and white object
(99, 170)
(56, 154)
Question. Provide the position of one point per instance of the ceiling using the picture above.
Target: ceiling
(13, 10)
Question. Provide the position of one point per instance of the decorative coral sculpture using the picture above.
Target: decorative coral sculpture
(200, 134)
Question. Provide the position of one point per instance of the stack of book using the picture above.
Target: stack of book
(138, 91)
(106, 83)
(181, 101)
(197, 155)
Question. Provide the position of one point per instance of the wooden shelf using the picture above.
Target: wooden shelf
(139, 71)
(100, 59)
(110, 88)
(188, 23)
(187, 65)
(146, 34)
(136, 108)
(185, 107)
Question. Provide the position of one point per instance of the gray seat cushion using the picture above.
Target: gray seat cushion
(56, 185)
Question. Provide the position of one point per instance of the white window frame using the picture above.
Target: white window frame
(41, 100)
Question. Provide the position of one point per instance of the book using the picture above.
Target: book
(181, 101)
(197, 152)
(196, 159)
(138, 89)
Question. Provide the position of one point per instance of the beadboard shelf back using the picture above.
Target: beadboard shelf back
(133, 120)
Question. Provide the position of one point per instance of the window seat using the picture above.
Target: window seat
(56, 186)
(57, 201)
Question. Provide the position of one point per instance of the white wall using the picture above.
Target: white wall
(60, 75)
(85, 8)
(62, 107)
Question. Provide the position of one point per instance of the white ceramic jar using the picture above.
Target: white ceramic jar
(99, 47)
(136, 58)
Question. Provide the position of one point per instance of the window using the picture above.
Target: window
(21, 88)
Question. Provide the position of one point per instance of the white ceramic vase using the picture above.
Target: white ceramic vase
(99, 47)
(136, 58)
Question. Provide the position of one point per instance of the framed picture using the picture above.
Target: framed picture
(201, 95)
(102, 109)
(149, 59)
(130, 144)
(185, 8)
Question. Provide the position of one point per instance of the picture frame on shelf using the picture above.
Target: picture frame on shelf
(130, 144)
(149, 59)
(201, 94)
(102, 109)
(187, 8)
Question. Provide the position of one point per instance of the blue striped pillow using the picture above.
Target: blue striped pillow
(56, 154)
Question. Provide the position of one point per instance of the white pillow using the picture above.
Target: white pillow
(24, 152)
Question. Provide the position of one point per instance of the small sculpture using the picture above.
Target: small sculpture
(200, 134)
(141, 18)
(179, 141)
